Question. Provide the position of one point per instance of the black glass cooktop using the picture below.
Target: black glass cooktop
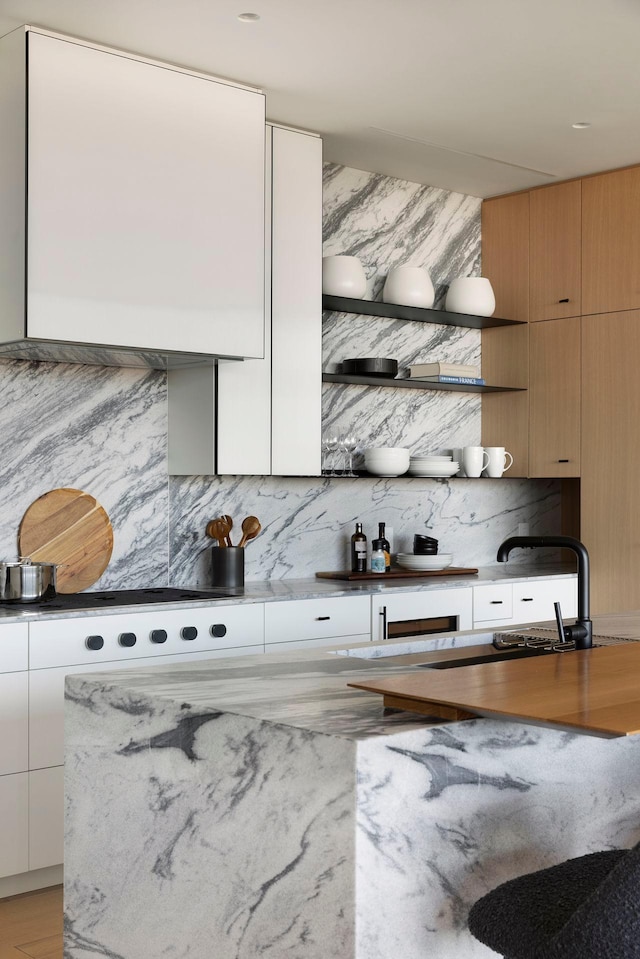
(120, 597)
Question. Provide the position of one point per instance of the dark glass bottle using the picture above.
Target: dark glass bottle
(383, 543)
(358, 551)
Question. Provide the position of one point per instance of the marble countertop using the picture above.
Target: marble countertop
(279, 590)
(304, 690)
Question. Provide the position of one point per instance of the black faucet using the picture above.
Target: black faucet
(582, 630)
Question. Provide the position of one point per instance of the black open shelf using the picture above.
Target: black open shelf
(346, 304)
(415, 384)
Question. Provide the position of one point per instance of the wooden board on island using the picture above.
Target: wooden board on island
(595, 691)
(396, 573)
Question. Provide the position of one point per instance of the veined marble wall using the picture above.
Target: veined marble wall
(103, 429)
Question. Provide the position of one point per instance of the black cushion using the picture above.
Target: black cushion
(534, 916)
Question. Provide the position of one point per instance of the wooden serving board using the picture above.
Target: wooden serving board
(68, 527)
(591, 691)
(396, 573)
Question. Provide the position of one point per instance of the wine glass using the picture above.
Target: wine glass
(329, 447)
(350, 444)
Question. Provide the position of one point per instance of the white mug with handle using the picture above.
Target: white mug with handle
(474, 460)
(500, 460)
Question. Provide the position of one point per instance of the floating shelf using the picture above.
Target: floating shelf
(346, 304)
(415, 385)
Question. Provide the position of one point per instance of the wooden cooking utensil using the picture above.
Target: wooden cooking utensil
(70, 528)
(228, 520)
(250, 529)
(218, 529)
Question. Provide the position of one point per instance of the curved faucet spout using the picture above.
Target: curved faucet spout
(583, 633)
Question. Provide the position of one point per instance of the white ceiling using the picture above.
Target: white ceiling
(469, 96)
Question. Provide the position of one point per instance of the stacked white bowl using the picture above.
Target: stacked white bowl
(428, 465)
(387, 460)
(419, 563)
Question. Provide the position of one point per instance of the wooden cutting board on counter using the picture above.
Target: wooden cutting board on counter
(594, 691)
(395, 573)
(70, 528)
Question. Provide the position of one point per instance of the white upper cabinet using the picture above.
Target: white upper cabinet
(145, 201)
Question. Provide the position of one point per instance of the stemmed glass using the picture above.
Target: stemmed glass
(330, 447)
(350, 445)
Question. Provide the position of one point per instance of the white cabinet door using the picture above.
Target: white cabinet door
(296, 304)
(46, 817)
(324, 618)
(493, 603)
(14, 824)
(14, 708)
(145, 204)
(533, 601)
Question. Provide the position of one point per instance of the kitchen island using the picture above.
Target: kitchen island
(237, 808)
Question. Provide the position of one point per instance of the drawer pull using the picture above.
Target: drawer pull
(497, 602)
(320, 618)
(563, 461)
(527, 599)
(565, 300)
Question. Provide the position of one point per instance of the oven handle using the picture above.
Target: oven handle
(383, 613)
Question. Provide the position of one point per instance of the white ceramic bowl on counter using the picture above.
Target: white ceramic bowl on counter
(387, 460)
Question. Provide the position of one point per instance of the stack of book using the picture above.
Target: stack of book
(446, 373)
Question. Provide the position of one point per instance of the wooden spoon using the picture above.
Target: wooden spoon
(250, 529)
(228, 520)
(218, 529)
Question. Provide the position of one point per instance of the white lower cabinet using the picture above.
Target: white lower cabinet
(14, 816)
(326, 620)
(46, 817)
(14, 712)
(513, 604)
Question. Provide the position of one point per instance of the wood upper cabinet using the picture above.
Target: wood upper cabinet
(611, 241)
(554, 251)
(505, 253)
(610, 514)
(554, 398)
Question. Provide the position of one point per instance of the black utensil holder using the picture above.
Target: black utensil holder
(227, 566)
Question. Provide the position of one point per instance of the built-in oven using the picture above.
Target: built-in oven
(415, 614)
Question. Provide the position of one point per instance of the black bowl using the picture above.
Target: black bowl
(371, 366)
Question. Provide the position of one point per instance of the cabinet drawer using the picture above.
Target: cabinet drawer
(492, 602)
(14, 705)
(14, 815)
(14, 647)
(46, 817)
(316, 619)
(533, 602)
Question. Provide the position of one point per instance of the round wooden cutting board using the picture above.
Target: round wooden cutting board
(68, 527)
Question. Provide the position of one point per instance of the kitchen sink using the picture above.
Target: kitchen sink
(487, 658)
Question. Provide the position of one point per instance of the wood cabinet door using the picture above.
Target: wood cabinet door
(505, 253)
(554, 251)
(611, 242)
(610, 507)
(554, 398)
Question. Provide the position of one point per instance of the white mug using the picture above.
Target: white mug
(497, 463)
(474, 460)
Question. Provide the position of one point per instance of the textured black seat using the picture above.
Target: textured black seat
(585, 908)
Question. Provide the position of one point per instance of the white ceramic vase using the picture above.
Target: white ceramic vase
(409, 286)
(471, 294)
(343, 276)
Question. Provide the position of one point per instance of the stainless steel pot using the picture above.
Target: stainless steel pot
(27, 582)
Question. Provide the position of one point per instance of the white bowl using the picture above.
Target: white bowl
(386, 470)
(409, 286)
(435, 472)
(428, 456)
(416, 562)
(387, 449)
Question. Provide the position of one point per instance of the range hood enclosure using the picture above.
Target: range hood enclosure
(131, 206)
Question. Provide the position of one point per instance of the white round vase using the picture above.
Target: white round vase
(409, 286)
(471, 294)
(343, 276)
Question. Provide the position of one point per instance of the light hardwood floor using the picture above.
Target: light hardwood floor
(31, 925)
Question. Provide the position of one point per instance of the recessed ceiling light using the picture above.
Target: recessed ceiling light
(248, 17)
(580, 126)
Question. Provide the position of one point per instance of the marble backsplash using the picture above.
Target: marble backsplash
(104, 429)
